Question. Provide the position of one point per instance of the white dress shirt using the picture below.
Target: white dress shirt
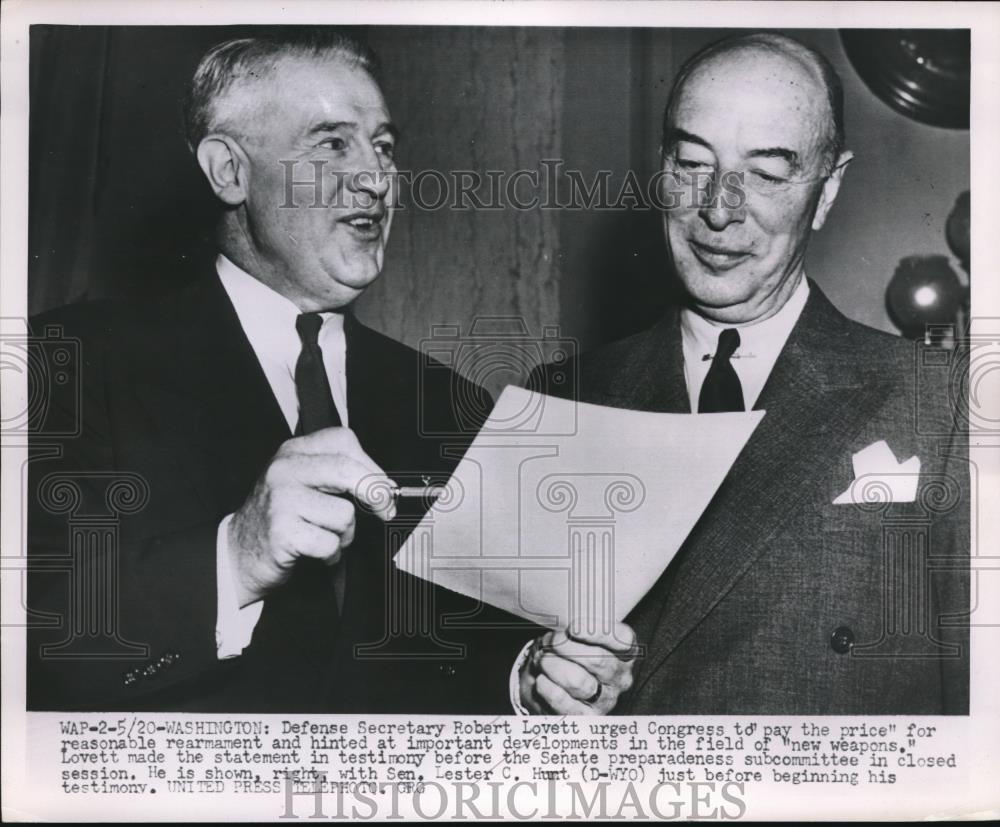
(760, 345)
(268, 320)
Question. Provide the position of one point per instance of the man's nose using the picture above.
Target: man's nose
(721, 205)
(368, 176)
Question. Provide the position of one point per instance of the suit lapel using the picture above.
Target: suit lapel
(816, 400)
(379, 393)
(381, 399)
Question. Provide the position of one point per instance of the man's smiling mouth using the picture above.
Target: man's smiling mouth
(367, 226)
(718, 257)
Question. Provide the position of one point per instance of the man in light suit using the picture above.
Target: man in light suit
(240, 435)
(829, 573)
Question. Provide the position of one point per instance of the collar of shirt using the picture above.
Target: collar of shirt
(760, 345)
(268, 320)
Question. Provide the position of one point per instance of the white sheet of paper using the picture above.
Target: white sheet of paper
(564, 513)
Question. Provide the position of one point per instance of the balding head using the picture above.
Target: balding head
(758, 117)
(738, 51)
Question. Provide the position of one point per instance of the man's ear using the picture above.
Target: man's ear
(830, 188)
(226, 166)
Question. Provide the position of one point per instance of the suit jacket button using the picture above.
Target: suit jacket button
(842, 640)
(447, 670)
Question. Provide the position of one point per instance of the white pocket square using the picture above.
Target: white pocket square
(880, 478)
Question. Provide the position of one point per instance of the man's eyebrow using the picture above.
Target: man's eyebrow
(333, 126)
(788, 155)
(675, 135)
(390, 127)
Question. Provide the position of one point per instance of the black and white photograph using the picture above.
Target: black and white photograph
(505, 410)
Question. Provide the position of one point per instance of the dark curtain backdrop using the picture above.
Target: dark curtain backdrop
(117, 206)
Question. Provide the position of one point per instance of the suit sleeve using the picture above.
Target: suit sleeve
(116, 617)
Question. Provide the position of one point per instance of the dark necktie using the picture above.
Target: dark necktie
(316, 408)
(317, 411)
(722, 390)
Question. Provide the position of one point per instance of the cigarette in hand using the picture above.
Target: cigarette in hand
(428, 491)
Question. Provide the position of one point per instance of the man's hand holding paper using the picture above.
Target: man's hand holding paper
(573, 672)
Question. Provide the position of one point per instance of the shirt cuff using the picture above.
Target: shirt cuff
(515, 680)
(233, 626)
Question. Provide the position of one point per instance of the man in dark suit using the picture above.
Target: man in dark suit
(218, 535)
(829, 573)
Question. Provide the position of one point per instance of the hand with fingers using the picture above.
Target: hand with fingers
(577, 673)
(293, 510)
